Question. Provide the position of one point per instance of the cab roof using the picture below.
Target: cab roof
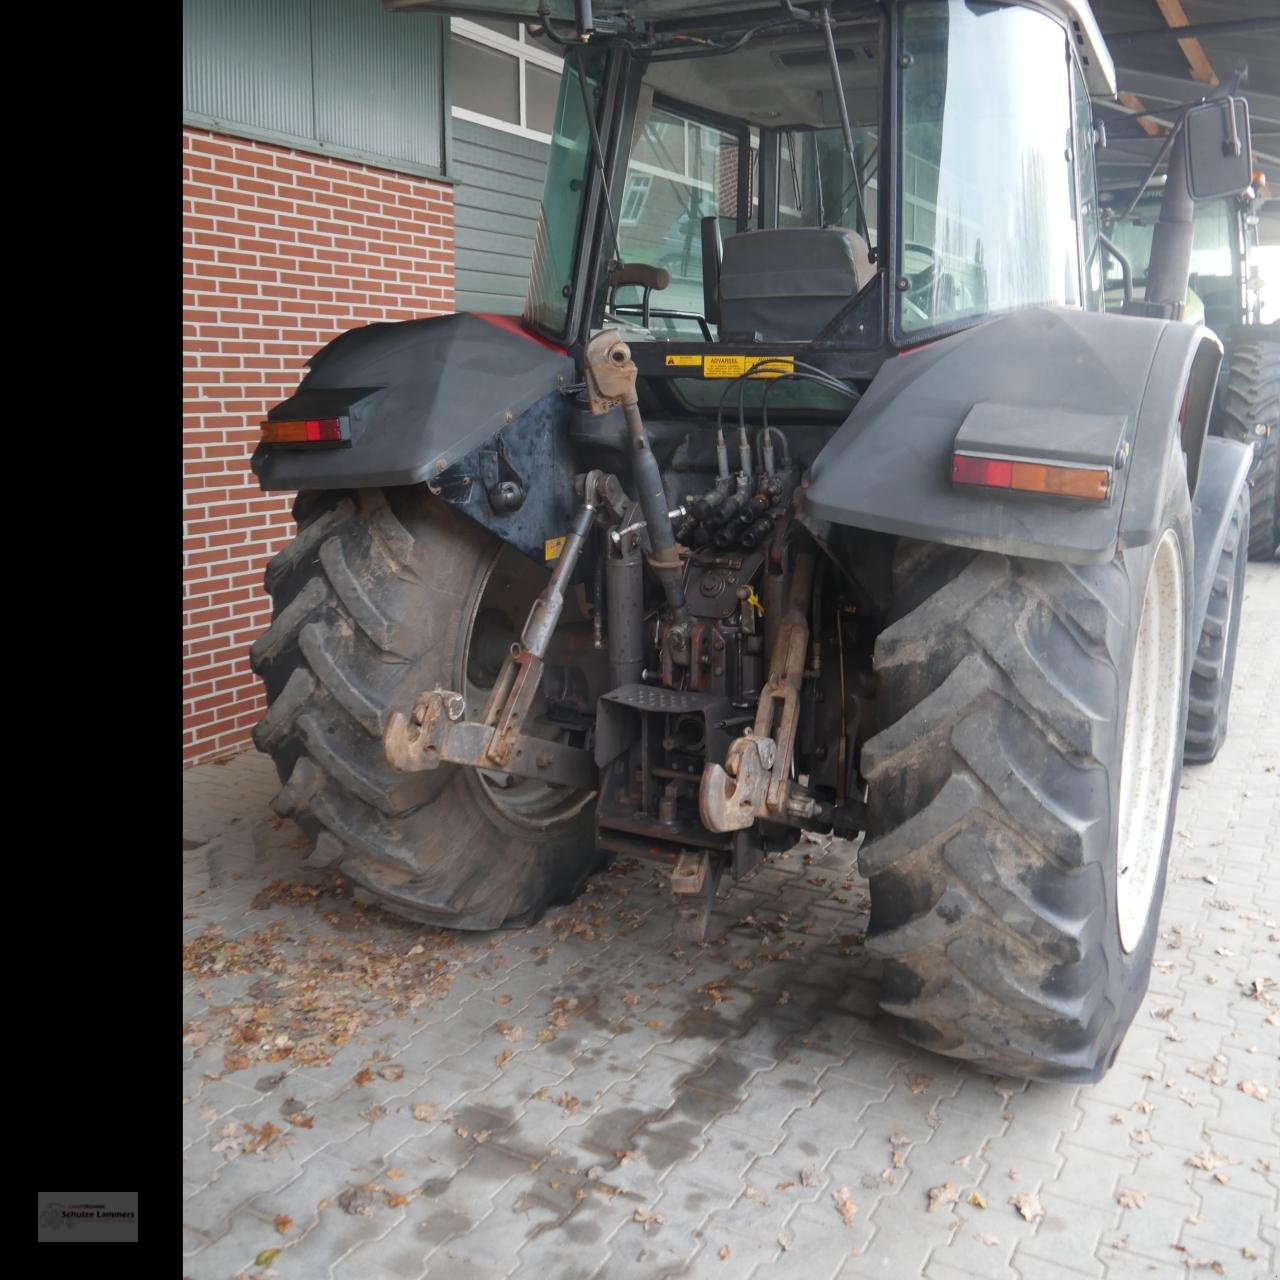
(1076, 14)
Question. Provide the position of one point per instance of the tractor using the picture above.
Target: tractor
(1224, 293)
(869, 520)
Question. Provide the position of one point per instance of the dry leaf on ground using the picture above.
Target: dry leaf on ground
(918, 1082)
(1254, 1089)
(1028, 1204)
(284, 1223)
(846, 1206)
(724, 1252)
(423, 1111)
(808, 1177)
(1128, 1198)
(946, 1194)
(648, 1218)
(392, 1073)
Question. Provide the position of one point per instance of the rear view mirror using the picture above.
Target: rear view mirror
(1217, 147)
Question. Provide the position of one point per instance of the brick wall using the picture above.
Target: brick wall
(282, 250)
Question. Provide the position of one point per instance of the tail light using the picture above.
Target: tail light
(1091, 484)
(329, 432)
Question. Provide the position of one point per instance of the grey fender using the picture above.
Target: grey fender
(1047, 382)
(1224, 472)
(419, 395)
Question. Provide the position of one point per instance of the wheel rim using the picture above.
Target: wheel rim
(509, 587)
(1150, 745)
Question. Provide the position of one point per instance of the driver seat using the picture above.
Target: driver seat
(785, 284)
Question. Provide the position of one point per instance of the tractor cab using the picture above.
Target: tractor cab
(735, 182)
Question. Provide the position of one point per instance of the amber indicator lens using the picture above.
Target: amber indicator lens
(1090, 483)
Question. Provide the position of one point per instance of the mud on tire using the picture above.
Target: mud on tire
(373, 602)
(993, 795)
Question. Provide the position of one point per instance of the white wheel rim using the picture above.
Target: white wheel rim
(1150, 745)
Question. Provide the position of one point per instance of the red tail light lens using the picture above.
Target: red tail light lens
(305, 431)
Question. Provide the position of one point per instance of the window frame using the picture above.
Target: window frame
(524, 54)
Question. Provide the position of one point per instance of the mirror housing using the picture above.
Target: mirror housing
(1217, 148)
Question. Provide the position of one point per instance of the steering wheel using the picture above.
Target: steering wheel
(919, 266)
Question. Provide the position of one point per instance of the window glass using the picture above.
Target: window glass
(555, 238)
(987, 208)
(680, 171)
(486, 81)
(815, 180)
(541, 89)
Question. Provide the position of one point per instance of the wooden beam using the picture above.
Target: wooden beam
(1201, 68)
(1135, 103)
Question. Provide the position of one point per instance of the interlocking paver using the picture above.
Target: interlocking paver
(656, 1096)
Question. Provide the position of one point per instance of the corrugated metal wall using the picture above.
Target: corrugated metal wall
(339, 77)
(496, 202)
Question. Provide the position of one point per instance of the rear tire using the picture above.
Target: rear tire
(1215, 655)
(1022, 713)
(1252, 401)
(375, 601)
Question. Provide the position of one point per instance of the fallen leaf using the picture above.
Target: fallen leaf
(724, 1253)
(977, 1199)
(758, 1196)
(504, 1057)
(784, 1186)
(962, 1162)
(423, 1111)
(945, 1194)
(983, 1238)
(545, 1036)
(302, 1119)
(569, 1103)
(785, 1240)
(1028, 1204)
(1248, 1254)
(266, 1257)
(1140, 1135)
(846, 1206)
(284, 1223)
(648, 1218)
(1254, 1089)
(374, 1113)
(395, 1174)
(357, 1201)
(808, 1177)
(362, 1077)
(1221, 1177)
(392, 1073)
(1143, 1106)
(1127, 1198)
(503, 999)
(483, 1136)
(918, 1082)
(1207, 1160)
(632, 1000)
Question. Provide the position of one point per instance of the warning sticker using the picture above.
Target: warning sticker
(554, 546)
(692, 361)
(736, 366)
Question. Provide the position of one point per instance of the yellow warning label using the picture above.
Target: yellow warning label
(736, 366)
(554, 547)
(693, 361)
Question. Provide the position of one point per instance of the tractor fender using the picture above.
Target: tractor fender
(419, 396)
(1082, 387)
(1224, 472)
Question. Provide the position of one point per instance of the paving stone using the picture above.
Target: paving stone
(747, 1092)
